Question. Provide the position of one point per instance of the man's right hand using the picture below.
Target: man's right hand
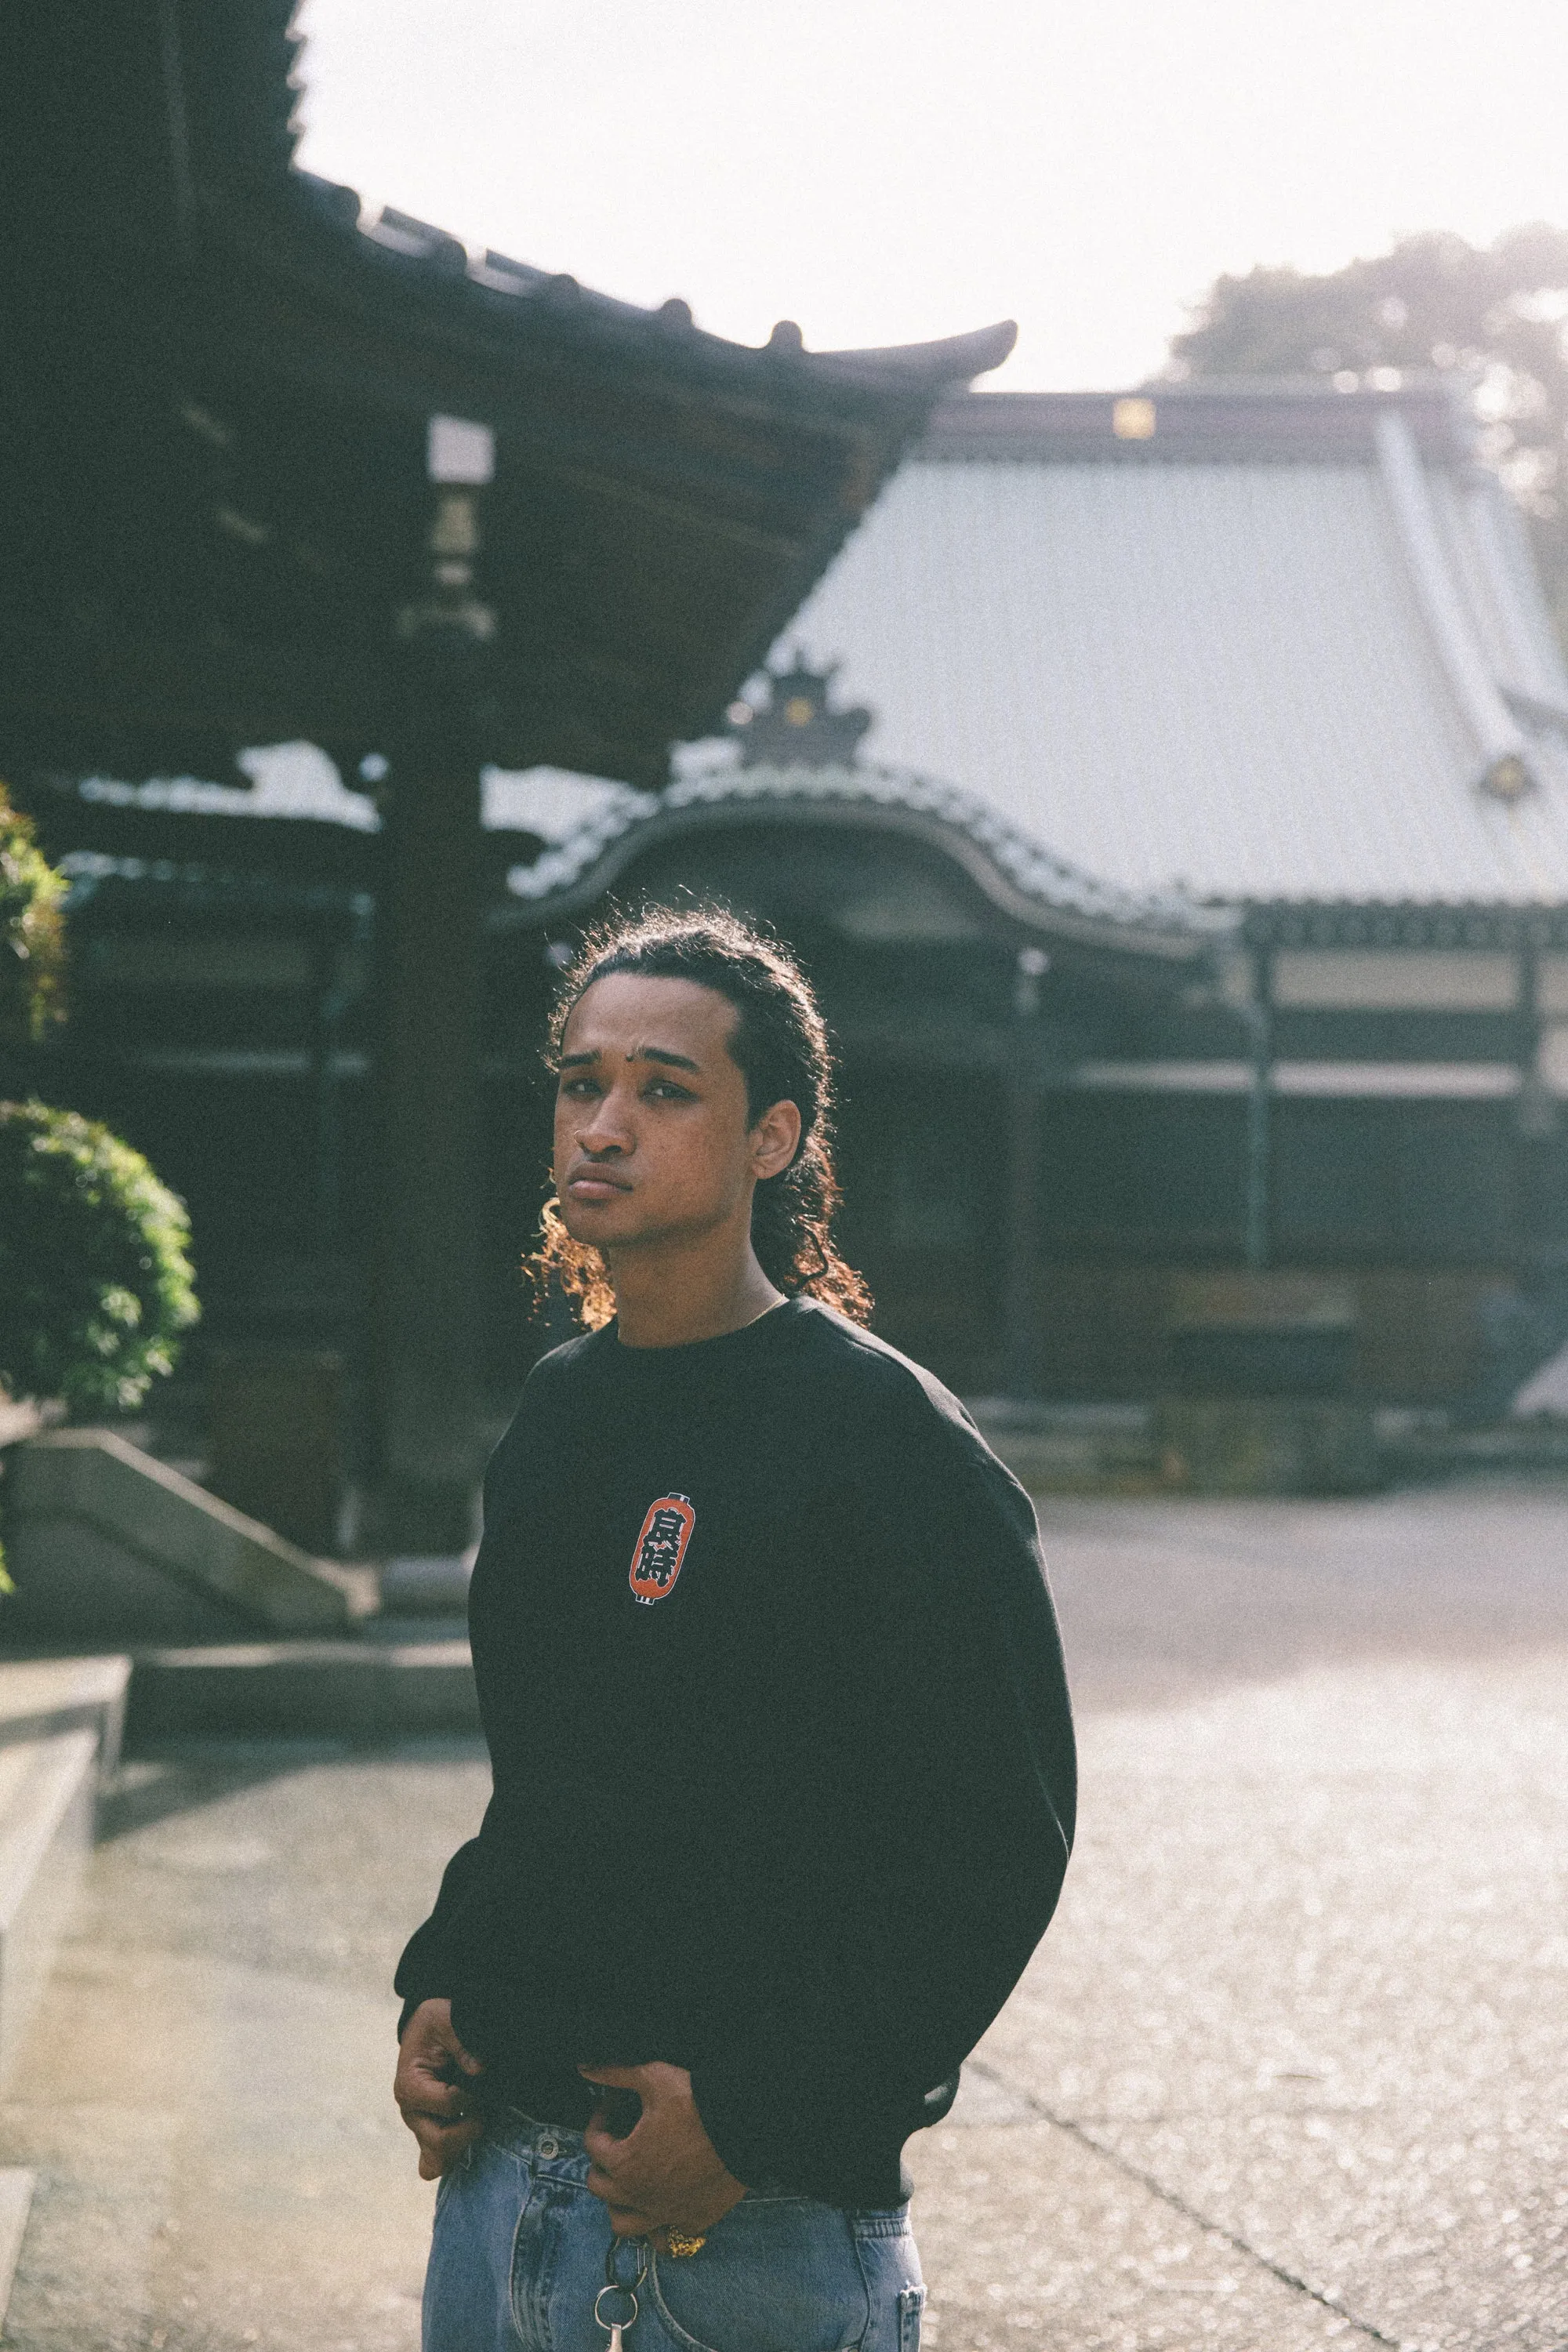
(437, 2109)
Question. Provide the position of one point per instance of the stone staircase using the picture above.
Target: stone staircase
(1074, 1449)
(107, 1544)
(60, 1726)
(392, 1682)
(228, 1628)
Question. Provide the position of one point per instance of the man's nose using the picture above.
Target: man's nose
(607, 1131)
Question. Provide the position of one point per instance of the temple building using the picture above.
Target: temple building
(1169, 792)
(1235, 712)
(1171, 797)
(280, 466)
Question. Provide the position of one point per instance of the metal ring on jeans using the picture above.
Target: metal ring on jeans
(610, 2325)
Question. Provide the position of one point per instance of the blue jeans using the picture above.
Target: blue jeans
(520, 2249)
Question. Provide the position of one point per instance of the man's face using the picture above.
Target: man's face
(652, 1139)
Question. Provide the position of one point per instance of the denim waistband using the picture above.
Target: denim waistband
(522, 2131)
(558, 2143)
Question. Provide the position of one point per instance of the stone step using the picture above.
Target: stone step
(41, 1696)
(16, 2203)
(109, 1546)
(1261, 1444)
(49, 1803)
(60, 1726)
(1536, 1448)
(1106, 1449)
(369, 1688)
(1077, 1462)
(427, 1586)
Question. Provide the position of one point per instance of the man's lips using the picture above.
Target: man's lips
(596, 1184)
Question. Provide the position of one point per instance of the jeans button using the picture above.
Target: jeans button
(548, 2146)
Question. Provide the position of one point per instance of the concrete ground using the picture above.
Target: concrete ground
(1291, 2067)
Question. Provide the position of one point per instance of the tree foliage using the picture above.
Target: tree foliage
(32, 932)
(1493, 315)
(95, 1278)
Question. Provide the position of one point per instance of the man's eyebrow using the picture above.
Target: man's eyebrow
(662, 1054)
(638, 1054)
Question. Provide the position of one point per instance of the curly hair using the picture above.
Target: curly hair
(780, 1047)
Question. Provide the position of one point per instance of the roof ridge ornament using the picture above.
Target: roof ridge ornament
(796, 727)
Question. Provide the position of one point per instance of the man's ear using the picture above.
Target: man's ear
(775, 1139)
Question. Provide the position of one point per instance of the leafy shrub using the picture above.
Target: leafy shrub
(32, 932)
(95, 1281)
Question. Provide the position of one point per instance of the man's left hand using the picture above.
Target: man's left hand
(666, 2174)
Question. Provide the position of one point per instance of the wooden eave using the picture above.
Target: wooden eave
(216, 504)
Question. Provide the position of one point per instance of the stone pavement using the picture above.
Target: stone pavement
(1291, 2069)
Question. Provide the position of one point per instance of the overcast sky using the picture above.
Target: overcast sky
(883, 172)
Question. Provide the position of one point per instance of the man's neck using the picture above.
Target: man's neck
(670, 1297)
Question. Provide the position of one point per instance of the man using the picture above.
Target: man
(784, 1772)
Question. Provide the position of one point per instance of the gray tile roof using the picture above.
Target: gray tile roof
(1272, 652)
(1027, 881)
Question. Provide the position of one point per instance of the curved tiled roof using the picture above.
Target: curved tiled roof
(1285, 644)
(223, 371)
(494, 284)
(138, 123)
(1027, 881)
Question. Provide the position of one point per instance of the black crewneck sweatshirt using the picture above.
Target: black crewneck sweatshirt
(784, 1769)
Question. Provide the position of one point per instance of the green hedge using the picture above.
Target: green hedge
(32, 932)
(95, 1277)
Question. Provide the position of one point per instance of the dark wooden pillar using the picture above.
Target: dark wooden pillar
(1021, 1370)
(1535, 1119)
(1260, 1116)
(424, 1380)
(1020, 1339)
(328, 1001)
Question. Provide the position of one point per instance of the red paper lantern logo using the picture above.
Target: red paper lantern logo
(661, 1547)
